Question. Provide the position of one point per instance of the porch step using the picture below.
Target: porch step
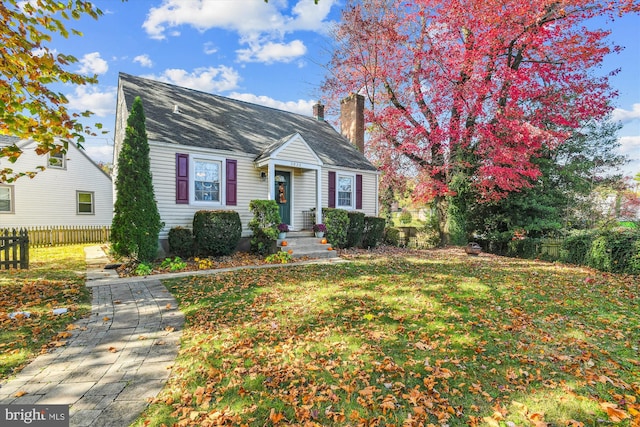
(305, 244)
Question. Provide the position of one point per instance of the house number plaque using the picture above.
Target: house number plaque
(296, 164)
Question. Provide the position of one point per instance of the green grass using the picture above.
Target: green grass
(55, 279)
(425, 337)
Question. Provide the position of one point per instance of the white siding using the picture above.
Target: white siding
(163, 167)
(49, 199)
(297, 151)
(369, 190)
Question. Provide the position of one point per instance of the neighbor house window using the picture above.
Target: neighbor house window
(206, 180)
(345, 191)
(57, 160)
(6, 199)
(85, 202)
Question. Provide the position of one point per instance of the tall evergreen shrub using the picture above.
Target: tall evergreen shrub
(136, 222)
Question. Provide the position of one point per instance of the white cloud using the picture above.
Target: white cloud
(253, 20)
(209, 79)
(90, 98)
(271, 52)
(92, 63)
(626, 116)
(300, 106)
(144, 60)
(630, 146)
(100, 153)
(209, 48)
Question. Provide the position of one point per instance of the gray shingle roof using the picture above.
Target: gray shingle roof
(216, 122)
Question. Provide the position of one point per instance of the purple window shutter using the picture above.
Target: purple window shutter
(232, 182)
(182, 178)
(332, 190)
(358, 191)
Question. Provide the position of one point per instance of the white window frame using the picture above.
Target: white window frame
(352, 176)
(93, 202)
(193, 159)
(59, 163)
(11, 199)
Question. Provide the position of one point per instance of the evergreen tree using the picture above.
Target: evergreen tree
(136, 221)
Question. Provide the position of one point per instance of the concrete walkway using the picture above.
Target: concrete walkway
(115, 360)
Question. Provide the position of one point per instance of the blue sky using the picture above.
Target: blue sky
(266, 53)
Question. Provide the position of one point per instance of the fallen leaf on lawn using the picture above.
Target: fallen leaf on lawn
(275, 417)
(20, 393)
(168, 306)
(113, 349)
(169, 329)
(615, 414)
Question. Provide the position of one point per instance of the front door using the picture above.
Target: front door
(283, 195)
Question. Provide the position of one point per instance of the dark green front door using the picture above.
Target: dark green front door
(283, 195)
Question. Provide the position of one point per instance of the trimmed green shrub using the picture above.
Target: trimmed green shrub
(615, 251)
(181, 242)
(576, 246)
(524, 248)
(392, 236)
(216, 233)
(373, 233)
(337, 222)
(355, 229)
(263, 225)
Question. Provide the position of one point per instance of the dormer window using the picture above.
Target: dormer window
(57, 161)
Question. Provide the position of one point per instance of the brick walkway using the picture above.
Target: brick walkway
(115, 360)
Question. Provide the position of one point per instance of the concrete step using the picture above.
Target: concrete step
(305, 244)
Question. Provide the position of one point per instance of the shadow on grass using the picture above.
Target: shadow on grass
(441, 338)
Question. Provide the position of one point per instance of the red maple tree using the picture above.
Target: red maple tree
(478, 87)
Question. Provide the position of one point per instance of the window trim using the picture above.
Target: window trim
(193, 159)
(63, 161)
(11, 199)
(352, 176)
(93, 202)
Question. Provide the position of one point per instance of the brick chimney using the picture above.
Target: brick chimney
(318, 111)
(352, 119)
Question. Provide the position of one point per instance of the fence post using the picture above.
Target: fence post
(24, 249)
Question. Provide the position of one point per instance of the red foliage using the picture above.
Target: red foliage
(481, 85)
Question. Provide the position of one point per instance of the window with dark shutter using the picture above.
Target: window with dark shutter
(232, 182)
(332, 190)
(182, 178)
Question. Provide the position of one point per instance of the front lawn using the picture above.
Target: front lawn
(415, 338)
(55, 279)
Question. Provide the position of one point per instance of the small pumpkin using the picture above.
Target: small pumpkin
(284, 243)
(323, 241)
(329, 248)
(290, 251)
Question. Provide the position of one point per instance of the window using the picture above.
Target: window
(85, 202)
(6, 199)
(206, 180)
(345, 191)
(57, 160)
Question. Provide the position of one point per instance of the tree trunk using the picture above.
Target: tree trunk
(442, 211)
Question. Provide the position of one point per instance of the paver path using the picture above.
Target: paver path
(114, 361)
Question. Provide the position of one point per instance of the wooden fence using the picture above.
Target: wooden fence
(14, 249)
(65, 235)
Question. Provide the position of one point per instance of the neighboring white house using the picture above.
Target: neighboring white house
(71, 191)
(209, 152)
